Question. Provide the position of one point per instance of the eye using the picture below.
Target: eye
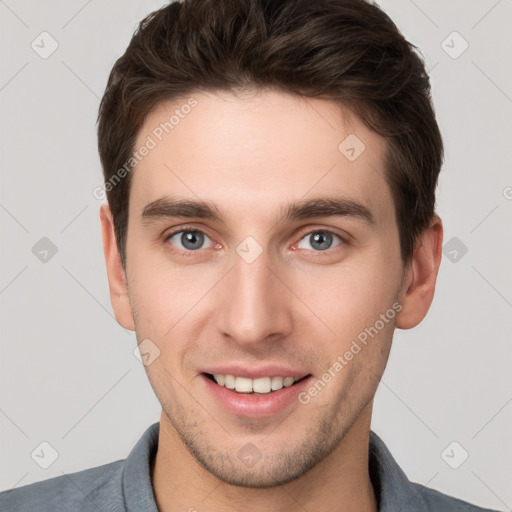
(319, 240)
(188, 239)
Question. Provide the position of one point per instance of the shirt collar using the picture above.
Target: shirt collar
(392, 487)
(137, 488)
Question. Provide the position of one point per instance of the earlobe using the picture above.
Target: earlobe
(420, 276)
(116, 275)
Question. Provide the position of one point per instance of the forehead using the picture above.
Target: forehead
(256, 152)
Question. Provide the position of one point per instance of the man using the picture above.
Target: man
(270, 168)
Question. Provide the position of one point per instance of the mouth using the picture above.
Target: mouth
(254, 391)
(254, 387)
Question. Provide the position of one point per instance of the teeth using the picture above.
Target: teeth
(277, 383)
(288, 381)
(262, 385)
(229, 381)
(243, 385)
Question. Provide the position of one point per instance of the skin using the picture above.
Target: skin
(295, 305)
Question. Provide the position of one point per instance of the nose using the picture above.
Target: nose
(254, 305)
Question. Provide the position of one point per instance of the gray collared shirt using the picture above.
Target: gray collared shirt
(125, 486)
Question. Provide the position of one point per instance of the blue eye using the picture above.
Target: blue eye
(190, 240)
(193, 240)
(320, 240)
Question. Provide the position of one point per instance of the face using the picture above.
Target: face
(287, 265)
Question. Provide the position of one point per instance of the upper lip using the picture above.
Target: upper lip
(255, 373)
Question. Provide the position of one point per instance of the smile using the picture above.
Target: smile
(253, 398)
(262, 385)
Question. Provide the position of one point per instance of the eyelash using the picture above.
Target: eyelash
(185, 229)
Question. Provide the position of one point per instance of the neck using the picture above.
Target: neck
(340, 482)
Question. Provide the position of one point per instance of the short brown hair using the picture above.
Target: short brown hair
(346, 50)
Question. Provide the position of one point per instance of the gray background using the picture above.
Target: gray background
(68, 373)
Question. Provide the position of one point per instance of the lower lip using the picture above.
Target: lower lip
(255, 406)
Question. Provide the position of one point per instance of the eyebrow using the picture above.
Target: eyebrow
(169, 207)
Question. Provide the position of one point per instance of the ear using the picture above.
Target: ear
(420, 276)
(116, 275)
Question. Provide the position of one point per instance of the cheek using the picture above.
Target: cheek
(164, 305)
(166, 296)
(347, 298)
